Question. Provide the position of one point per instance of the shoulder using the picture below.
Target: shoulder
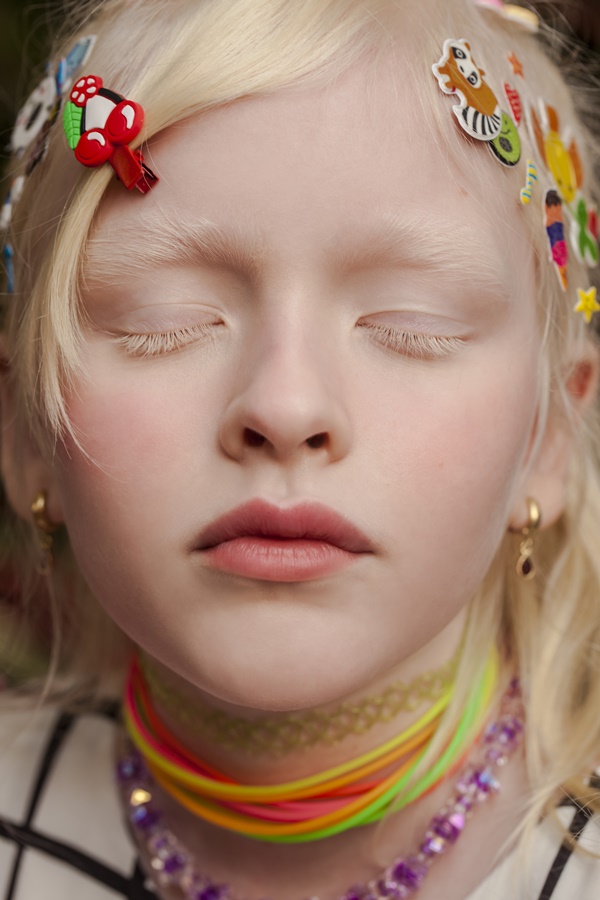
(61, 829)
(555, 872)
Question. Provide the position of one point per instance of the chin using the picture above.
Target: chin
(275, 677)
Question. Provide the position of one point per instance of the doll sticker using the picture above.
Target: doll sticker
(555, 229)
(479, 113)
(560, 155)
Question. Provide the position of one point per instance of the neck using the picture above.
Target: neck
(289, 870)
(233, 741)
(255, 747)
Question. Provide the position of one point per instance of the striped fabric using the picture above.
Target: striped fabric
(62, 836)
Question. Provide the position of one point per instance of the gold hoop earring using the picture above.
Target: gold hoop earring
(45, 529)
(525, 567)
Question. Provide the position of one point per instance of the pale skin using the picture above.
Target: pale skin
(429, 456)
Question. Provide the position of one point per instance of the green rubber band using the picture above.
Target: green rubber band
(380, 807)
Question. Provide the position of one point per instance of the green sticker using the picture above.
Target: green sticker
(507, 146)
(72, 116)
(585, 242)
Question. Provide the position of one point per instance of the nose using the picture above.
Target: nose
(289, 403)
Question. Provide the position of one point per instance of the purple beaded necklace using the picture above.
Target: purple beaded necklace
(172, 864)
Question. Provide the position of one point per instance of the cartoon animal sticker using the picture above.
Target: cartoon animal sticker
(479, 112)
(555, 229)
(532, 175)
(97, 121)
(457, 73)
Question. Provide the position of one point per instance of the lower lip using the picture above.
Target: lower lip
(278, 559)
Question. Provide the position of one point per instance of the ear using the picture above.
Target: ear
(25, 470)
(547, 479)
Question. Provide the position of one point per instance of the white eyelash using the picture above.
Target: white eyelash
(412, 344)
(162, 343)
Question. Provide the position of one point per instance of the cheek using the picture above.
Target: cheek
(454, 456)
(145, 441)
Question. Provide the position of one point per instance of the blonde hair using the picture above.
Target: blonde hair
(204, 54)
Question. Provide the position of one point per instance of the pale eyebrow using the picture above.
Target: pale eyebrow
(431, 246)
(164, 242)
(398, 241)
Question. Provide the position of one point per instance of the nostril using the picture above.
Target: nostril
(317, 440)
(253, 438)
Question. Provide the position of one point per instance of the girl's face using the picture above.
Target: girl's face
(308, 266)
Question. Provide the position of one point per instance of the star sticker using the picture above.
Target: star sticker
(588, 303)
(517, 65)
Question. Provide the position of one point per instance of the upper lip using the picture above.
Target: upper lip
(311, 521)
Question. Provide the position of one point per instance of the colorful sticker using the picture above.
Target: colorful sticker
(457, 73)
(588, 303)
(514, 98)
(555, 229)
(14, 194)
(479, 112)
(532, 176)
(40, 146)
(77, 57)
(507, 146)
(584, 233)
(562, 161)
(517, 65)
(38, 108)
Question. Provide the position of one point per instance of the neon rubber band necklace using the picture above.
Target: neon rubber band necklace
(355, 793)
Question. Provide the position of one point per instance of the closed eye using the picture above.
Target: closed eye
(414, 345)
(162, 343)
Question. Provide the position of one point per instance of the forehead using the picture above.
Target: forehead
(312, 167)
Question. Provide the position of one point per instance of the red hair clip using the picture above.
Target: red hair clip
(99, 124)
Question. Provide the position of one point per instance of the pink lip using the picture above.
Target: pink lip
(262, 541)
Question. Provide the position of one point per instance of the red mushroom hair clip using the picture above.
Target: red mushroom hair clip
(99, 125)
